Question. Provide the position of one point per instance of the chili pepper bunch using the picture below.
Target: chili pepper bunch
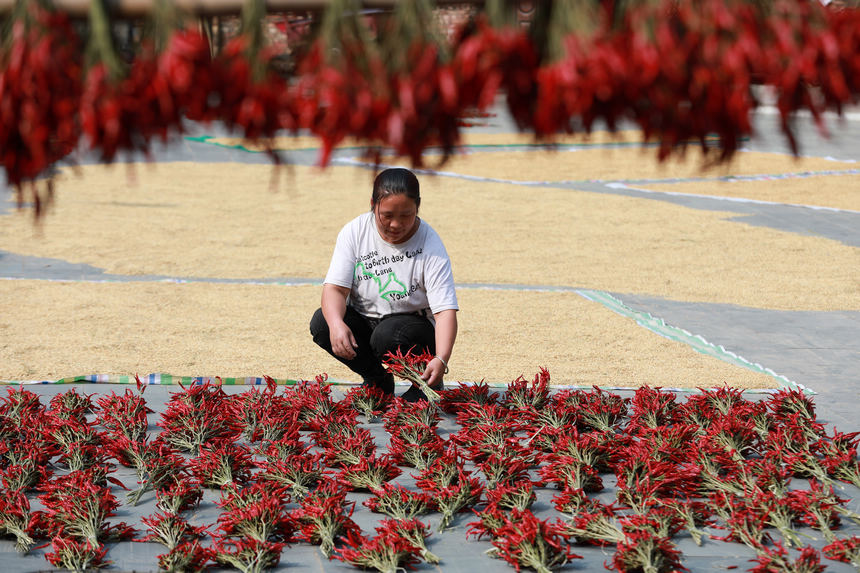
(124, 415)
(196, 417)
(368, 401)
(17, 520)
(40, 90)
(387, 551)
(299, 472)
(398, 502)
(415, 445)
(410, 366)
(265, 416)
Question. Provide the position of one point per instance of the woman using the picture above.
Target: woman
(389, 287)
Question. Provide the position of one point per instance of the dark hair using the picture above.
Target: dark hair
(395, 181)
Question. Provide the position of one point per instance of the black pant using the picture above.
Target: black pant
(396, 331)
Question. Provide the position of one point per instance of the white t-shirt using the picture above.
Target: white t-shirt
(383, 278)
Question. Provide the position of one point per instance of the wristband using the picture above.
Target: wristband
(445, 364)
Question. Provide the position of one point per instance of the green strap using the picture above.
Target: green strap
(696, 341)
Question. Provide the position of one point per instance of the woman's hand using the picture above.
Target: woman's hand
(343, 342)
(446, 333)
(434, 372)
(333, 305)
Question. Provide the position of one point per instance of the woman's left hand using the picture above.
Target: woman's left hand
(433, 373)
(446, 333)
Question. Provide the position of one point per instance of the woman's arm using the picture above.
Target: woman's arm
(333, 305)
(446, 334)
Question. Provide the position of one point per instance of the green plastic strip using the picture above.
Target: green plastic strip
(159, 379)
(209, 140)
(697, 342)
(167, 379)
(206, 139)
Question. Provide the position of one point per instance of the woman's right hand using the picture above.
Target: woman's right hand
(343, 343)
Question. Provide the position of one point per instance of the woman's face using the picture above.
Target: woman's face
(396, 218)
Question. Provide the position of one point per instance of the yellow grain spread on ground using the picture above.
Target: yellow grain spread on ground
(53, 330)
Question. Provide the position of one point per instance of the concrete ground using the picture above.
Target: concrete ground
(458, 552)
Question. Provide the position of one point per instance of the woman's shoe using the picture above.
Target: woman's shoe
(384, 383)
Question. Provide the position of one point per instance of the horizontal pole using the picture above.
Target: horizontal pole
(139, 8)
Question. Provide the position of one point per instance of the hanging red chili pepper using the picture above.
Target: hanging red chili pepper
(39, 94)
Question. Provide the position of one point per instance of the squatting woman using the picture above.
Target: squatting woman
(389, 286)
